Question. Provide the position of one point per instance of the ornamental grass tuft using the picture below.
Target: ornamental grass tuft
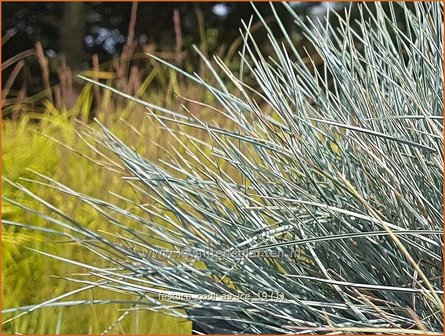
(315, 207)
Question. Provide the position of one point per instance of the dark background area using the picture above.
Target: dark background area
(80, 30)
(73, 32)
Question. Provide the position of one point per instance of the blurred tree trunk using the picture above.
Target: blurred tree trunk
(72, 34)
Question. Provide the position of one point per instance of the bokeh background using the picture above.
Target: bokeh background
(73, 32)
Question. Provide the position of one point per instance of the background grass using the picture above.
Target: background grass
(39, 142)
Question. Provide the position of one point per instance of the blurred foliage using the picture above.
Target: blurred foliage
(49, 142)
(74, 32)
(44, 21)
(27, 275)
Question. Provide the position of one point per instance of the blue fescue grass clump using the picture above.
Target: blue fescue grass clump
(332, 164)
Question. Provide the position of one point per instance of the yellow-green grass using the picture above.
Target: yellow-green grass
(28, 276)
(46, 142)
